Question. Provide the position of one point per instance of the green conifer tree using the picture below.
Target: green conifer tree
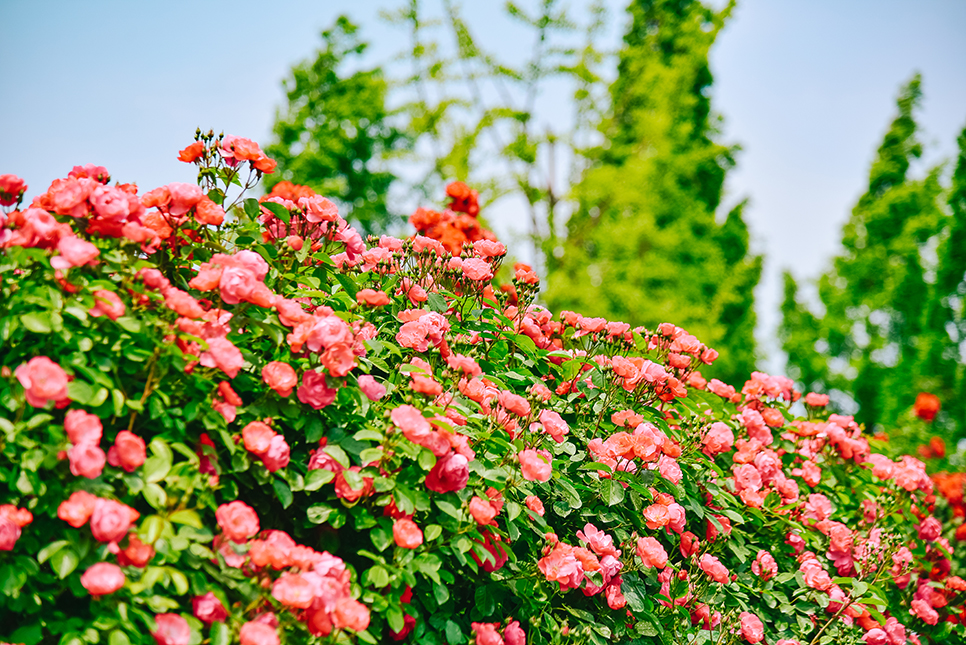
(644, 245)
(889, 298)
(334, 134)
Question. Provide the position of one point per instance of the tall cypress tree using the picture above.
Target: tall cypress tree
(644, 245)
(883, 335)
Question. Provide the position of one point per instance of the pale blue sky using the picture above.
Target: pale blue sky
(807, 87)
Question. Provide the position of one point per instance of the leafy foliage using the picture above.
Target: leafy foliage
(312, 438)
(336, 134)
(891, 302)
(644, 244)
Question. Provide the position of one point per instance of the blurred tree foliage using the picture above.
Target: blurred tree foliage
(644, 244)
(892, 322)
(335, 133)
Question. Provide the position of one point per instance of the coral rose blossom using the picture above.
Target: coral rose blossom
(107, 303)
(450, 474)
(111, 520)
(350, 614)
(82, 427)
(172, 630)
(372, 298)
(209, 609)
(651, 552)
(77, 509)
(43, 381)
(751, 628)
(86, 460)
(535, 466)
(103, 578)
(238, 520)
(482, 511)
(280, 377)
(406, 533)
(371, 387)
(534, 504)
(257, 633)
(713, 567)
(128, 451)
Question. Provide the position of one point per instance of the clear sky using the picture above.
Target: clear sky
(806, 87)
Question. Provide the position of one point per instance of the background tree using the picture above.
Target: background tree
(644, 244)
(892, 324)
(335, 133)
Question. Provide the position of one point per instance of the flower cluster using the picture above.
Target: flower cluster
(228, 418)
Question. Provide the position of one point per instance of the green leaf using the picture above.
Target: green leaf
(381, 537)
(339, 455)
(37, 322)
(252, 208)
(80, 392)
(130, 324)
(432, 532)
(118, 638)
(220, 632)
(318, 478)
(378, 576)
(611, 491)
(50, 550)
(319, 513)
(188, 517)
(64, 562)
(155, 496)
(278, 210)
(283, 491)
(436, 302)
(448, 508)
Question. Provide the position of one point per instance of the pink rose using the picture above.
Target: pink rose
(513, 634)
(278, 454)
(237, 520)
(751, 628)
(764, 565)
(477, 269)
(172, 630)
(183, 197)
(406, 533)
(223, 355)
(103, 578)
(236, 285)
(651, 552)
(9, 533)
(514, 403)
(371, 388)
(534, 465)
(74, 252)
(208, 609)
(43, 381)
(257, 633)
(816, 400)
(77, 509)
(534, 504)
(450, 474)
(482, 511)
(669, 469)
(82, 427)
(128, 451)
(280, 377)
(86, 460)
(339, 359)
(350, 614)
(107, 303)
(555, 426)
(294, 590)
(486, 634)
(718, 439)
(111, 520)
(713, 567)
(257, 437)
(314, 391)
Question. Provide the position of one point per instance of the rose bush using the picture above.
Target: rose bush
(234, 420)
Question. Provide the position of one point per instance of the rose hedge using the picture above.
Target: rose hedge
(226, 419)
